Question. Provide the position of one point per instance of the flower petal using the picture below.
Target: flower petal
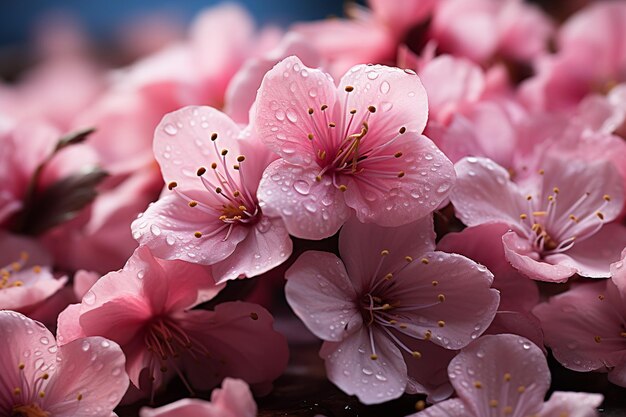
(349, 366)
(90, 376)
(310, 209)
(322, 295)
(572, 404)
(282, 117)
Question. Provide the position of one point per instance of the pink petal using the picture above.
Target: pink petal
(242, 89)
(235, 397)
(450, 408)
(524, 324)
(402, 14)
(572, 404)
(618, 273)
(592, 256)
(322, 295)
(469, 303)
(500, 365)
(92, 368)
(38, 286)
(282, 110)
(350, 367)
(360, 246)
(169, 225)
(68, 325)
(182, 143)
(266, 246)
(484, 245)
(27, 342)
(241, 341)
(125, 317)
(572, 320)
(188, 407)
(398, 95)
(523, 258)
(428, 178)
(310, 209)
(484, 193)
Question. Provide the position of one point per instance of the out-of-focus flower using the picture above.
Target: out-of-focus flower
(37, 378)
(234, 399)
(384, 311)
(146, 309)
(352, 147)
(584, 326)
(210, 214)
(559, 220)
(507, 375)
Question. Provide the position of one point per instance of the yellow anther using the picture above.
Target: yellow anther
(600, 215)
(601, 297)
(523, 216)
(386, 307)
(400, 174)
(201, 171)
(416, 354)
(384, 252)
(214, 136)
(402, 130)
(441, 298)
(606, 197)
(478, 384)
(441, 323)
(372, 109)
(402, 326)
(541, 172)
(556, 190)
(507, 377)
(397, 154)
(311, 110)
(507, 410)
(192, 203)
(425, 261)
(349, 88)
(598, 339)
(214, 165)
(428, 335)
(42, 394)
(493, 403)
(435, 283)
(420, 405)
(254, 316)
(343, 188)
(198, 234)
(408, 259)
(324, 107)
(529, 197)
(310, 136)
(373, 356)
(17, 391)
(332, 124)
(521, 389)
(241, 158)
(353, 111)
(172, 185)
(79, 397)
(21, 366)
(224, 152)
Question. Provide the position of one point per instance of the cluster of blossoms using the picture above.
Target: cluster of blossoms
(402, 177)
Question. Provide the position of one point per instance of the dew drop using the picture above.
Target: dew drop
(372, 75)
(310, 206)
(367, 371)
(304, 73)
(313, 92)
(480, 353)
(381, 377)
(86, 346)
(280, 115)
(170, 240)
(170, 129)
(302, 187)
(472, 160)
(89, 298)
(385, 87)
(292, 116)
(44, 340)
(155, 230)
(526, 345)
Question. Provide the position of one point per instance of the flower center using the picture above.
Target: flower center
(345, 148)
(232, 202)
(551, 229)
(31, 410)
(8, 278)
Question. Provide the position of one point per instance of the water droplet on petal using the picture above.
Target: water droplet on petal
(89, 298)
(367, 371)
(302, 187)
(372, 75)
(44, 340)
(85, 346)
(313, 92)
(170, 129)
(155, 230)
(292, 116)
(385, 87)
(170, 240)
(280, 115)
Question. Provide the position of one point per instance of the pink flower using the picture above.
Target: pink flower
(146, 309)
(37, 378)
(211, 215)
(584, 326)
(26, 279)
(559, 218)
(507, 375)
(591, 57)
(482, 29)
(353, 147)
(389, 308)
(234, 399)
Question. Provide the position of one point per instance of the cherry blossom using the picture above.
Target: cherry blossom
(559, 219)
(385, 311)
(145, 308)
(352, 148)
(38, 378)
(210, 213)
(507, 375)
